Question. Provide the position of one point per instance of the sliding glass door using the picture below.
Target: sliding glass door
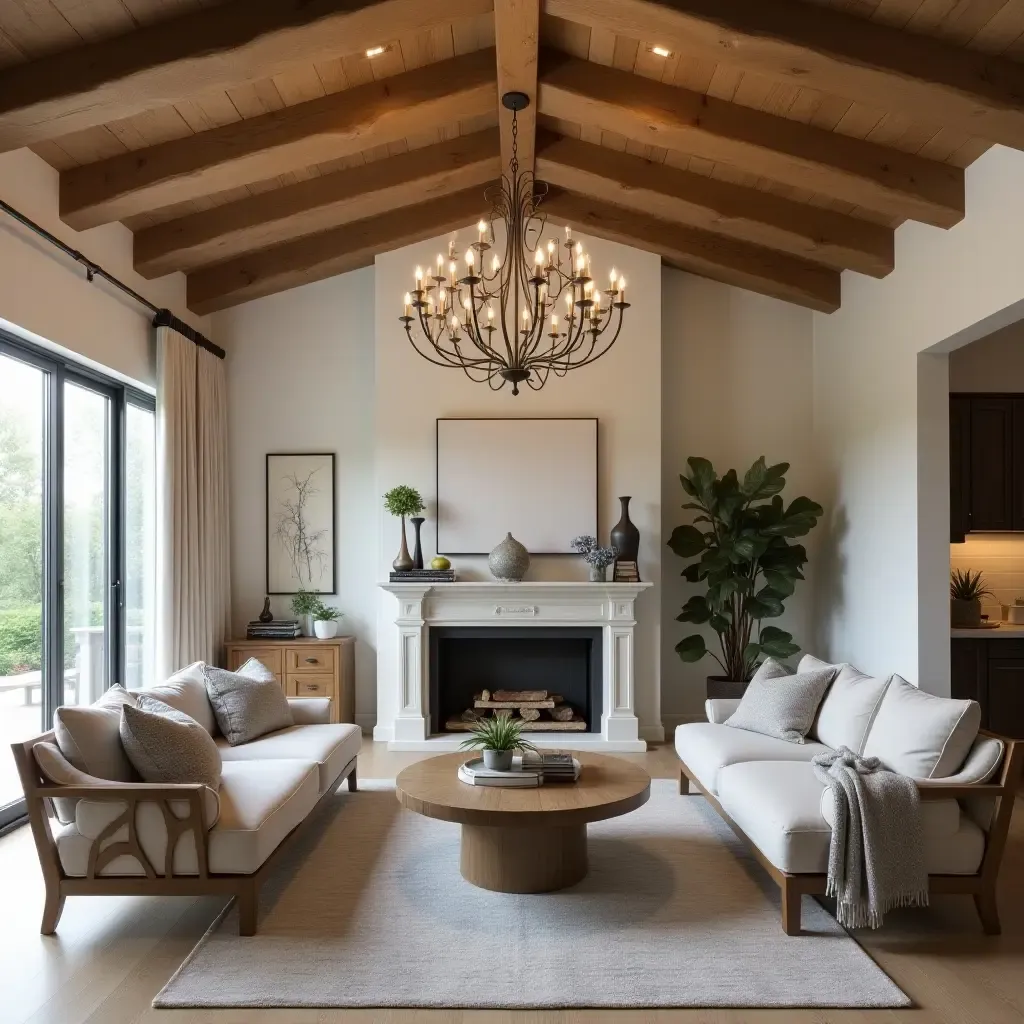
(77, 535)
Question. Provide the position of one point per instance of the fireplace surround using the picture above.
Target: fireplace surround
(601, 613)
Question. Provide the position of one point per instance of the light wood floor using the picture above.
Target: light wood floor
(112, 954)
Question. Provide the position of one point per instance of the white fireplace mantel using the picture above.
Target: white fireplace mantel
(422, 605)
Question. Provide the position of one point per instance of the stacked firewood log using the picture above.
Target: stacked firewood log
(539, 711)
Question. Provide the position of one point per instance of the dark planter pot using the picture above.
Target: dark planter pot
(720, 688)
(417, 551)
(625, 537)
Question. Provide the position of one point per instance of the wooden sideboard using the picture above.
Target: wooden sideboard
(306, 667)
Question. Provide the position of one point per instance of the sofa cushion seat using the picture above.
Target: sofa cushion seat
(330, 746)
(778, 805)
(706, 748)
(260, 803)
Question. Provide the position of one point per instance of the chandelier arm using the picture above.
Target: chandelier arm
(478, 337)
(606, 348)
(447, 360)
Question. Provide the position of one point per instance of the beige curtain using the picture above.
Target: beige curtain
(193, 568)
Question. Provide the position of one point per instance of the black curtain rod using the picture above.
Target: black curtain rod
(161, 317)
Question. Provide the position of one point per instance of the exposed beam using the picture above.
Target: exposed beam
(817, 47)
(217, 47)
(281, 141)
(700, 252)
(336, 251)
(516, 38)
(421, 175)
(745, 213)
(869, 175)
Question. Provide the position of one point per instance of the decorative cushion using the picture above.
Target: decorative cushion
(89, 737)
(849, 707)
(165, 745)
(246, 707)
(779, 704)
(920, 735)
(58, 769)
(186, 691)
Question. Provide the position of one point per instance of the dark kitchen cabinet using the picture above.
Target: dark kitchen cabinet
(992, 673)
(986, 463)
(1005, 696)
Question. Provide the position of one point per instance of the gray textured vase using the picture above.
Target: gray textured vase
(509, 561)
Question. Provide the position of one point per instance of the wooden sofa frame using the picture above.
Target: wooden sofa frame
(982, 885)
(158, 881)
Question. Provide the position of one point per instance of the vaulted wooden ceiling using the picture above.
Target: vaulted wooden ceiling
(261, 144)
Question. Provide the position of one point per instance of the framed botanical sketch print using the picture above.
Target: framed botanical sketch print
(301, 552)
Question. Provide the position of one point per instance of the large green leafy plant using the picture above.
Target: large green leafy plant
(741, 542)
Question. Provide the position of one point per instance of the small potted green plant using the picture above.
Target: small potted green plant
(403, 501)
(303, 605)
(325, 621)
(498, 738)
(966, 590)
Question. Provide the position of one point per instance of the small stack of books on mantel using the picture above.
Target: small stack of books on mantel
(277, 629)
(533, 769)
(424, 576)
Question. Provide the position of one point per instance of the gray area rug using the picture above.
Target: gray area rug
(369, 910)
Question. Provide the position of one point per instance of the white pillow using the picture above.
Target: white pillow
(185, 691)
(849, 707)
(920, 735)
(89, 736)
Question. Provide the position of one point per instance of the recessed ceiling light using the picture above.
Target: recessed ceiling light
(660, 51)
(375, 51)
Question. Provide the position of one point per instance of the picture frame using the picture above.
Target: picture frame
(541, 478)
(301, 501)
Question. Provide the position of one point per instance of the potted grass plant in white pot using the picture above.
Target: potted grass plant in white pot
(966, 589)
(497, 738)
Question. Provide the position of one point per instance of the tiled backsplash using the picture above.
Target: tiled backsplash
(1000, 557)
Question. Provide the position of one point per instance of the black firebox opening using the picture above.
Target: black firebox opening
(464, 660)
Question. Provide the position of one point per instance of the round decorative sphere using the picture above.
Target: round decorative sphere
(509, 561)
(440, 562)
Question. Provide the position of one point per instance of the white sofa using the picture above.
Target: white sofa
(135, 837)
(767, 789)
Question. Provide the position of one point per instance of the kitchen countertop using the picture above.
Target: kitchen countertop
(1006, 631)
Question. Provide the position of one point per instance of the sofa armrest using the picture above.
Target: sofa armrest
(718, 709)
(310, 710)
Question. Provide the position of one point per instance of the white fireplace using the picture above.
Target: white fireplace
(403, 695)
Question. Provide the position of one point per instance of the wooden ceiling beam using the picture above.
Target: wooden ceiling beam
(284, 140)
(336, 251)
(516, 39)
(875, 177)
(747, 214)
(355, 193)
(700, 252)
(817, 47)
(218, 47)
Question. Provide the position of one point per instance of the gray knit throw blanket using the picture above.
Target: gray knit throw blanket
(876, 857)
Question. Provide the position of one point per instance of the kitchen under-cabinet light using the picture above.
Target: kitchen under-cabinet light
(660, 51)
(375, 51)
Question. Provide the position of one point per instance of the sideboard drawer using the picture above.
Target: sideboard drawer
(311, 659)
(272, 657)
(316, 684)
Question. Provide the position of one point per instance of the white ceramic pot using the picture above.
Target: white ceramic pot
(325, 629)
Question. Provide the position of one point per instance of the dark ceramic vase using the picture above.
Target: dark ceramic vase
(417, 551)
(625, 536)
(266, 615)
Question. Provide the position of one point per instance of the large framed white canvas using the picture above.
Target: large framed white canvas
(533, 478)
(300, 523)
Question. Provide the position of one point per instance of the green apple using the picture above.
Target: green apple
(440, 563)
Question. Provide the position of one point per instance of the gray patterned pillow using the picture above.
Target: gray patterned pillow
(166, 745)
(246, 707)
(780, 704)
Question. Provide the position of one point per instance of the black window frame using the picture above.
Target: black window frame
(60, 370)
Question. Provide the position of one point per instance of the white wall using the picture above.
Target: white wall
(300, 378)
(45, 295)
(995, 363)
(622, 389)
(736, 384)
(883, 600)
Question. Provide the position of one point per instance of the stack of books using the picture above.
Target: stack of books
(424, 576)
(278, 629)
(625, 572)
(526, 772)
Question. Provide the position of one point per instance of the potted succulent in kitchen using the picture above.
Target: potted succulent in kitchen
(966, 590)
(741, 540)
(325, 621)
(497, 738)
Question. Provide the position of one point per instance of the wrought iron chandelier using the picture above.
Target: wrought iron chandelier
(505, 323)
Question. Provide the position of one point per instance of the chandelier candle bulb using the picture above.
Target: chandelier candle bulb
(408, 303)
(481, 230)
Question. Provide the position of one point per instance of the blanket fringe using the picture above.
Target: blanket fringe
(860, 915)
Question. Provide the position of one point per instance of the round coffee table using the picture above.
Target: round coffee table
(524, 840)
